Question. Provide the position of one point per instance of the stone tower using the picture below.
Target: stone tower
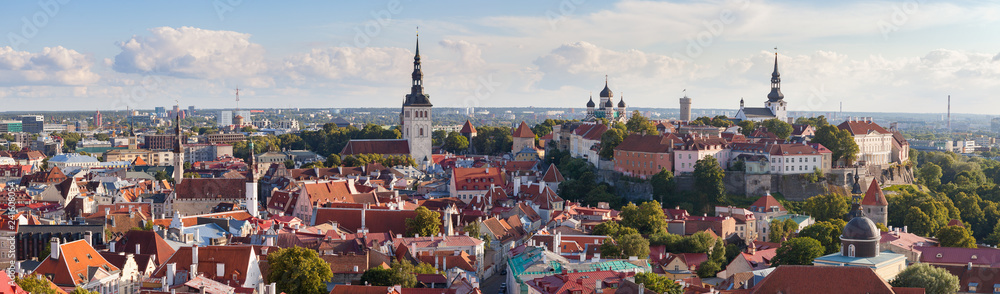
(415, 118)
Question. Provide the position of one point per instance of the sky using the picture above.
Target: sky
(883, 56)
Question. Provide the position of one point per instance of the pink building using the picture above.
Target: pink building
(697, 147)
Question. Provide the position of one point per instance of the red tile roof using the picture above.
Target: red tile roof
(648, 143)
(988, 257)
(766, 202)
(874, 195)
(7, 286)
(791, 149)
(523, 131)
(376, 146)
(376, 220)
(74, 262)
(467, 128)
(211, 188)
(148, 242)
(862, 127)
(477, 178)
(835, 279)
(591, 131)
(236, 259)
(552, 174)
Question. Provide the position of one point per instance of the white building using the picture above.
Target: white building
(874, 142)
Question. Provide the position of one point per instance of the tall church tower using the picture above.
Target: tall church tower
(415, 118)
(251, 185)
(178, 151)
(776, 100)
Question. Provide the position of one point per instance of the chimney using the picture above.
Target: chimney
(138, 249)
(541, 187)
(220, 269)
(111, 246)
(597, 286)
(194, 261)
(197, 237)
(272, 288)
(54, 250)
(642, 288)
(89, 237)
(171, 271)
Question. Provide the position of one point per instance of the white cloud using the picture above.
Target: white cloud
(191, 53)
(55, 66)
(582, 60)
(370, 65)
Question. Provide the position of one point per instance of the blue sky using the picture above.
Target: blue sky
(871, 55)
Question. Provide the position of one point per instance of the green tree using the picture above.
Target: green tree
(955, 236)
(639, 124)
(777, 127)
(840, 142)
(827, 207)
(438, 136)
(473, 230)
(658, 283)
(708, 180)
(781, 229)
(427, 223)
(289, 164)
(628, 245)
(314, 164)
(332, 161)
(35, 284)
(80, 290)
(798, 251)
(709, 268)
(455, 142)
(647, 218)
(162, 175)
(815, 122)
(933, 279)
(930, 175)
(827, 233)
(299, 270)
(609, 140)
(747, 127)
(663, 187)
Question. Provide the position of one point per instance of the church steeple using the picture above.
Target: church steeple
(775, 94)
(417, 96)
(418, 75)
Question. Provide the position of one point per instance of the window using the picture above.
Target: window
(421, 131)
(850, 250)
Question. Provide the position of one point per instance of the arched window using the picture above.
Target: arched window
(421, 131)
(850, 250)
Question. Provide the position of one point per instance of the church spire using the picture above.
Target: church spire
(418, 75)
(417, 96)
(775, 94)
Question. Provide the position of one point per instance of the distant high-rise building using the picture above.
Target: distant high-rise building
(995, 124)
(685, 108)
(190, 110)
(160, 111)
(32, 123)
(98, 122)
(225, 117)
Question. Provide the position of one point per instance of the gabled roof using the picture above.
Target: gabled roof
(138, 161)
(523, 131)
(552, 174)
(592, 131)
(834, 279)
(376, 146)
(467, 128)
(74, 263)
(751, 112)
(874, 195)
(236, 258)
(766, 202)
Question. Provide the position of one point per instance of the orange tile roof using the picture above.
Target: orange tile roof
(874, 195)
(861, 127)
(552, 174)
(803, 279)
(467, 128)
(471, 177)
(523, 131)
(235, 257)
(74, 262)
